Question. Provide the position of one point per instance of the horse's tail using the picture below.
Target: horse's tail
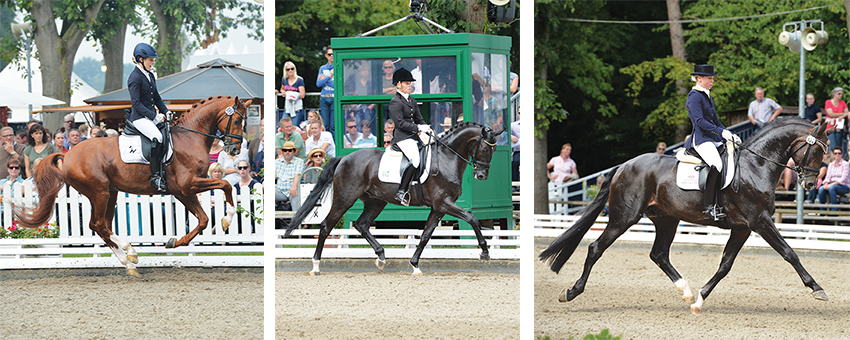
(325, 179)
(49, 180)
(563, 247)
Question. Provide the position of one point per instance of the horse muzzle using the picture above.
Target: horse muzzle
(480, 175)
(232, 149)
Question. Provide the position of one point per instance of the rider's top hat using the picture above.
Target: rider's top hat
(704, 70)
(402, 75)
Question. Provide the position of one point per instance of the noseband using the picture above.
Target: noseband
(226, 137)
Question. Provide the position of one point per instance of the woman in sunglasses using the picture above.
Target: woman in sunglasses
(14, 167)
(836, 182)
(243, 168)
(293, 89)
(316, 158)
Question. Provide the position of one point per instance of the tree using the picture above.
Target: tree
(174, 19)
(110, 29)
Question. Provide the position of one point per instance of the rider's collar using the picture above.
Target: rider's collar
(146, 73)
(700, 88)
(405, 95)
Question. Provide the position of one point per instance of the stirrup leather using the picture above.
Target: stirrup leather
(715, 212)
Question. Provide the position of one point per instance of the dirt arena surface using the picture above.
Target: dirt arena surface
(762, 297)
(396, 305)
(166, 304)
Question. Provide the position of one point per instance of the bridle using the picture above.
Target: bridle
(800, 169)
(475, 163)
(226, 137)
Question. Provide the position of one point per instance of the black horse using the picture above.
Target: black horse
(355, 176)
(647, 185)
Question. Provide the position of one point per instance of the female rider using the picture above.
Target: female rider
(144, 96)
(707, 135)
(408, 125)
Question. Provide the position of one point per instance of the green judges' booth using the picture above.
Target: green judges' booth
(460, 77)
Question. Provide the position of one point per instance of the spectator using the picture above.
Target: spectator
(59, 142)
(254, 148)
(287, 135)
(215, 150)
(320, 139)
(325, 81)
(21, 136)
(389, 127)
(243, 168)
(257, 165)
(94, 130)
(836, 115)
(813, 112)
(84, 131)
(38, 147)
(366, 139)
(31, 122)
(515, 147)
(68, 125)
(312, 116)
(216, 171)
(293, 89)
(661, 148)
(13, 167)
(387, 80)
(229, 163)
(10, 150)
(74, 138)
(316, 158)
(388, 140)
(836, 182)
(351, 133)
(100, 134)
(762, 110)
(514, 83)
(563, 166)
(821, 174)
(287, 173)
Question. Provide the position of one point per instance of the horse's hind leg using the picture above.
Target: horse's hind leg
(132, 256)
(665, 231)
(102, 202)
(339, 206)
(371, 209)
(430, 225)
(737, 237)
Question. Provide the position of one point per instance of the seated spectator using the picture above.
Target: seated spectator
(229, 163)
(389, 127)
(836, 182)
(821, 174)
(94, 130)
(74, 138)
(21, 136)
(320, 139)
(100, 134)
(564, 168)
(661, 148)
(215, 149)
(59, 142)
(14, 167)
(388, 140)
(39, 146)
(257, 165)
(351, 133)
(366, 139)
(245, 180)
(287, 174)
(316, 158)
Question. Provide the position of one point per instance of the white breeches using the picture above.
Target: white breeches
(708, 152)
(148, 128)
(410, 149)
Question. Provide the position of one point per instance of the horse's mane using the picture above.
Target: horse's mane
(192, 113)
(459, 126)
(781, 122)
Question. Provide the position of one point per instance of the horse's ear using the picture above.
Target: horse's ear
(822, 129)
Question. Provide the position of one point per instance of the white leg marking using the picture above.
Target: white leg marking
(229, 213)
(315, 266)
(696, 308)
(682, 284)
(416, 271)
(123, 244)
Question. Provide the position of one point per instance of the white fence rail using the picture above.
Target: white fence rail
(147, 222)
(798, 236)
(398, 243)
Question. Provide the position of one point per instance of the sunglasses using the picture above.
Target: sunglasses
(329, 54)
(387, 143)
(288, 150)
(241, 168)
(14, 168)
(69, 121)
(352, 126)
(319, 156)
(290, 69)
(388, 67)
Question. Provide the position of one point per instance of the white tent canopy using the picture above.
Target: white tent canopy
(12, 77)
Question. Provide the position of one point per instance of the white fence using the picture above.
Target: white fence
(147, 222)
(798, 236)
(398, 243)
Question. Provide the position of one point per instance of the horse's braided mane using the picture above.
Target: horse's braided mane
(462, 125)
(198, 106)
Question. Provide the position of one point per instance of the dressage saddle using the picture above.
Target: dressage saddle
(147, 144)
(703, 167)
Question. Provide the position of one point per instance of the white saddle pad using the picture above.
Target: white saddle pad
(388, 170)
(687, 178)
(130, 148)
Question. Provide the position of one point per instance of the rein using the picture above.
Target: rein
(473, 163)
(799, 169)
(227, 142)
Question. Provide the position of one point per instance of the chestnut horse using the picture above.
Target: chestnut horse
(95, 169)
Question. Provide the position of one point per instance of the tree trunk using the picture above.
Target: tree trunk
(169, 43)
(474, 15)
(56, 53)
(541, 181)
(677, 41)
(847, 10)
(112, 58)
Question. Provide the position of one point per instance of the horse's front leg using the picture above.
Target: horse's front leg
(191, 203)
(737, 237)
(207, 184)
(771, 235)
(454, 210)
(430, 225)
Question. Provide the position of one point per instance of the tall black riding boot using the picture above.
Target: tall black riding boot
(712, 188)
(157, 169)
(403, 187)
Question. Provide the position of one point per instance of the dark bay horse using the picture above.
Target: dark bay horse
(355, 176)
(95, 169)
(646, 185)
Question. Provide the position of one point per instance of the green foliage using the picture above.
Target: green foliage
(671, 112)
(604, 335)
(14, 231)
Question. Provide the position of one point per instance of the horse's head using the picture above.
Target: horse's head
(482, 153)
(807, 153)
(231, 120)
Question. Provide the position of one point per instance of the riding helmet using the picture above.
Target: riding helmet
(144, 50)
(402, 75)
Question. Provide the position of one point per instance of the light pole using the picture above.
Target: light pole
(21, 30)
(796, 35)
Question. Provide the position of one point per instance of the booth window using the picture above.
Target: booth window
(366, 77)
(490, 90)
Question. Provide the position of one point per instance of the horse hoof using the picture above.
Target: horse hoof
(688, 299)
(562, 297)
(224, 224)
(380, 264)
(133, 272)
(820, 295)
(484, 257)
(133, 258)
(696, 310)
(314, 273)
(170, 243)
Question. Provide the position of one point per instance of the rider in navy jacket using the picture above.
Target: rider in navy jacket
(707, 135)
(144, 97)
